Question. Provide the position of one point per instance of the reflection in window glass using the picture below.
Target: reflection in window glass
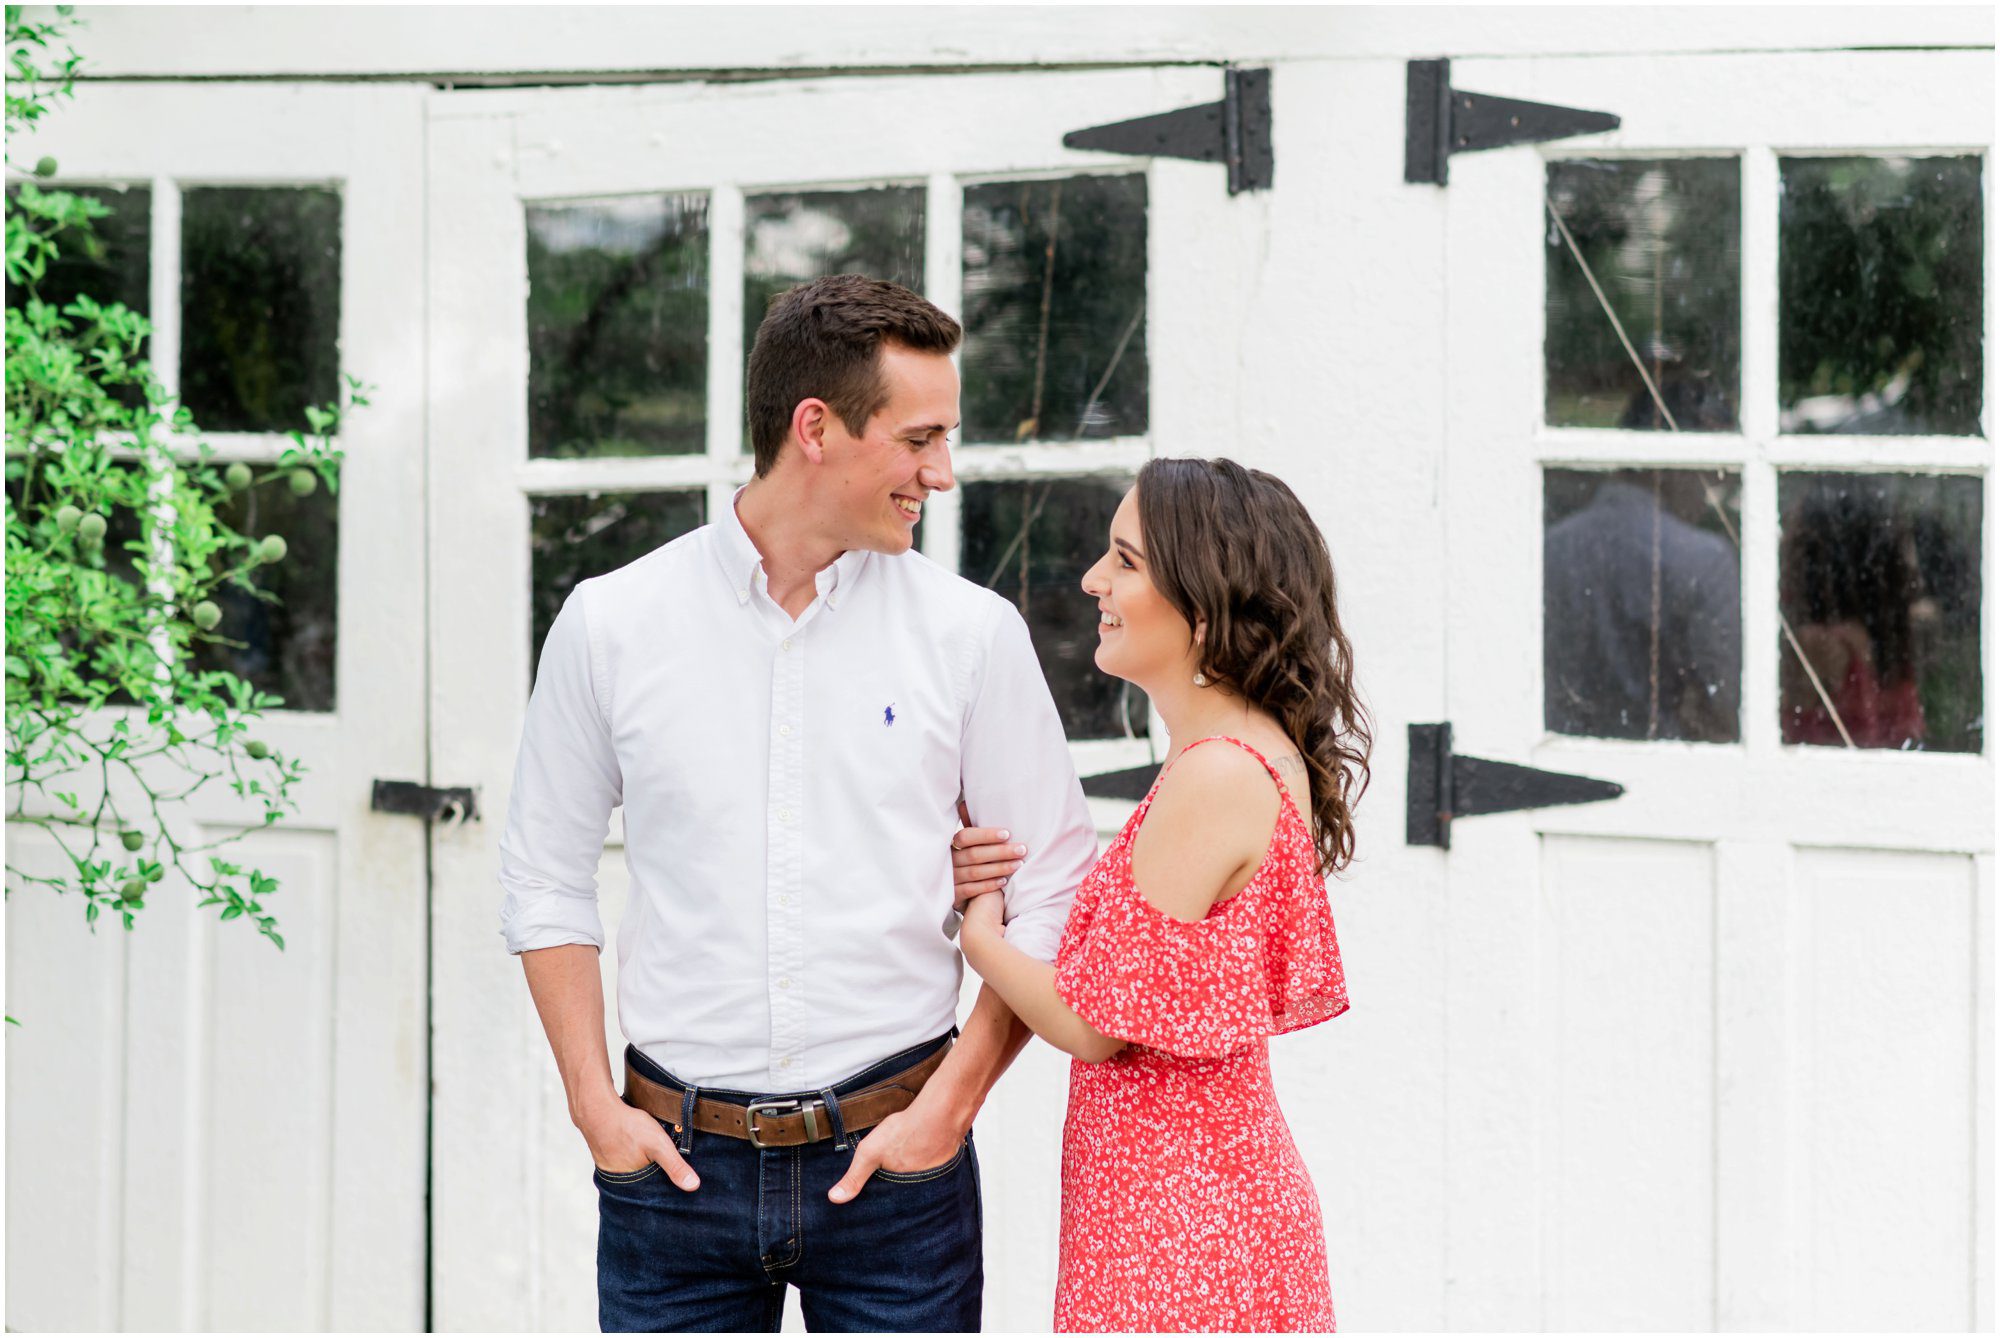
(1879, 580)
(260, 305)
(1055, 306)
(1662, 238)
(1032, 542)
(618, 326)
(286, 644)
(574, 538)
(1642, 631)
(793, 237)
(1880, 293)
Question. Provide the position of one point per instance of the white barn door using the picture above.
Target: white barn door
(204, 1132)
(1717, 1048)
(598, 260)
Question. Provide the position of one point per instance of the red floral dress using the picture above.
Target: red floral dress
(1185, 1203)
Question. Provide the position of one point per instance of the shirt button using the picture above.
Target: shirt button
(784, 815)
(784, 982)
(785, 731)
(785, 1063)
(784, 899)
(786, 644)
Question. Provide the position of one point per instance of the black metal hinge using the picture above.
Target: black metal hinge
(1235, 131)
(1439, 121)
(1444, 786)
(432, 803)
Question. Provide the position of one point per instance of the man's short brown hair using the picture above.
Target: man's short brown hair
(823, 340)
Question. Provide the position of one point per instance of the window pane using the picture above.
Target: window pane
(576, 537)
(1032, 542)
(1055, 303)
(111, 264)
(1879, 580)
(287, 647)
(1661, 237)
(260, 305)
(618, 326)
(793, 237)
(1880, 272)
(1642, 631)
(122, 529)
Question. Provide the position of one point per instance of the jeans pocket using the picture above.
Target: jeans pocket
(934, 1173)
(625, 1177)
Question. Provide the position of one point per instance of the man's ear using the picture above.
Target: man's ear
(809, 419)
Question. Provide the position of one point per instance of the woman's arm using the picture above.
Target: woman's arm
(1027, 986)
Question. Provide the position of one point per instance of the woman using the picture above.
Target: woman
(1204, 929)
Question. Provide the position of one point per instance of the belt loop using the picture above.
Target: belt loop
(686, 1141)
(832, 1104)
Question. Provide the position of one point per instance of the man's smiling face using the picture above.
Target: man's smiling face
(877, 482)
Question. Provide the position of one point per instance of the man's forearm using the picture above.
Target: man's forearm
(987, 1043)
(569, 995)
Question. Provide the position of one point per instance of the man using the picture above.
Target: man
(789, 702)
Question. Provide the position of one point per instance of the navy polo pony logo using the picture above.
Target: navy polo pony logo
(889, 714)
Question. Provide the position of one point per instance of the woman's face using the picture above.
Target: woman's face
(1140, 636)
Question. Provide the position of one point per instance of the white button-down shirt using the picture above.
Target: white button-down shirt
(790, 792)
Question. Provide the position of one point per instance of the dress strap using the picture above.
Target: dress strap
(1225, 738)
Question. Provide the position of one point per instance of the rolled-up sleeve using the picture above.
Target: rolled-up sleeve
(566, 782)
(1018, 775)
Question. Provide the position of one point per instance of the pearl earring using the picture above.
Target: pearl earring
(1199, 680)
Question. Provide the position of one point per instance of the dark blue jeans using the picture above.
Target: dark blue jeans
(902, 1255)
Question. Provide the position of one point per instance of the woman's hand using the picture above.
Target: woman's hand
(982, 860)
(985, 914)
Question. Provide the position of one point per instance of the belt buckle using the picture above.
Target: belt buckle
(770, 1108)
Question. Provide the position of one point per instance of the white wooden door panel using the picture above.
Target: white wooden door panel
(261, 1112)
(516, 1213)
(1711, 1046)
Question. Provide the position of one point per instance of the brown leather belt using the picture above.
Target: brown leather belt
(789, 1122)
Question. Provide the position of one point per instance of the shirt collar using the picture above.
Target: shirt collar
(741, 561)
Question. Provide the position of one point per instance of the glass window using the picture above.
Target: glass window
(260, 305)
(113, 263)
(1032, 541)
(792, 237)
(1880, 295)
(1661, 237)
(1879, 581)
(1055, 305)
(575, 537)
(285, 630)
(618, 326)
(1642, 634)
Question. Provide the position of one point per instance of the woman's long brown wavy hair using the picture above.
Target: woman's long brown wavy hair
(1235, 548)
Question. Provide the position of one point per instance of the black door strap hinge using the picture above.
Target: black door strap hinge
(1443, 786)
(1439, 121)
(432, 803)
(1235, 131)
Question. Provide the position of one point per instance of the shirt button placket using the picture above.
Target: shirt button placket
(785, 865)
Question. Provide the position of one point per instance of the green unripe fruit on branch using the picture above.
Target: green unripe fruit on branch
(207, 615)
(303, 482)
(258, 749)
(90, 528)
(156, 873)
(132, 889)
(237, 476)
(132, 840)
(67, 518)
(271, 548)
(45, 166)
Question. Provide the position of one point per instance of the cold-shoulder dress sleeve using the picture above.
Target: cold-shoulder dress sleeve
(1263, 962)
